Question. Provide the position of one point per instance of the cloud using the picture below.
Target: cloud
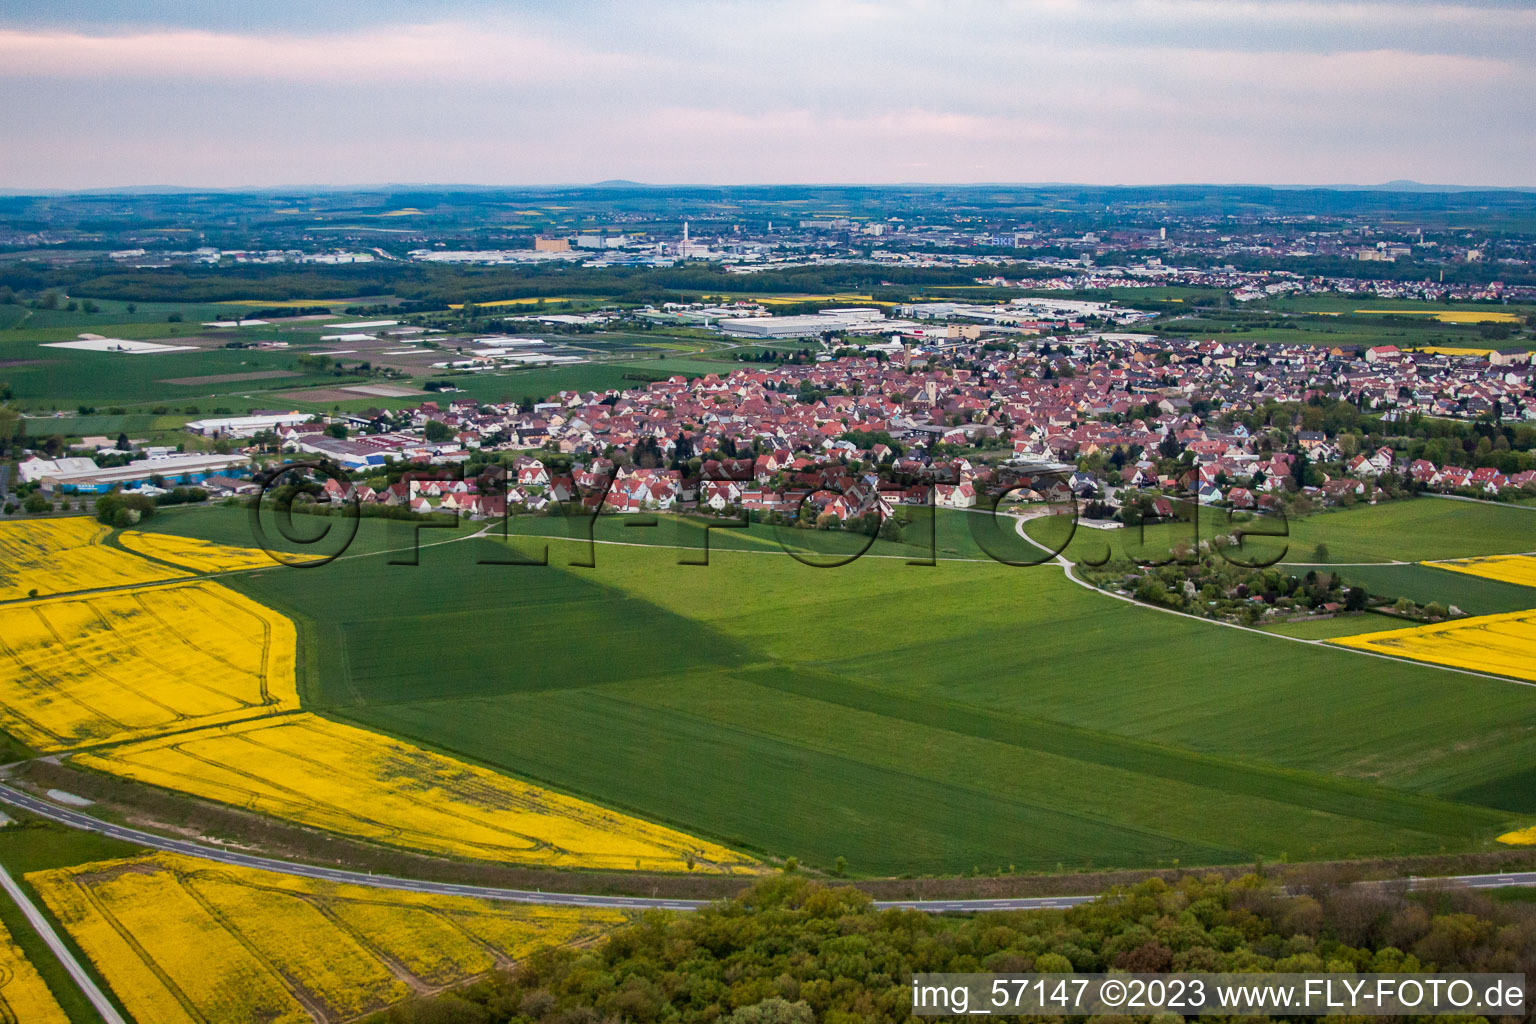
(766, 90)
(436, 53)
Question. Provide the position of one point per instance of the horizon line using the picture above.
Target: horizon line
(1394, 185)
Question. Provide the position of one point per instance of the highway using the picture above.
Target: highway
(44, 809)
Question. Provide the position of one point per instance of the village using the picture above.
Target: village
(1132, 423)
(1110, 418)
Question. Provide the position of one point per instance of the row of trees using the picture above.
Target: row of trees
(791, 952)
(434, 287)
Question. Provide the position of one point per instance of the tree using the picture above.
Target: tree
(120, 510)
(437, 431)
(1320, 553)
(338, 430)
(10, 428)
(123, 444)
(35, 504)
(1299, 470)
(310, 362)
(774, 1010)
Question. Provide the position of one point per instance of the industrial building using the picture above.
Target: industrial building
(248, 426)
(36, 468)
(175, 471)
(856, 319)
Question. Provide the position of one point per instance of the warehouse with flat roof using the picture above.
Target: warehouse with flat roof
(248, 426)
(856, 318)
(175, 471)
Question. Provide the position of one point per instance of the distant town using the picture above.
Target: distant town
(949, 388)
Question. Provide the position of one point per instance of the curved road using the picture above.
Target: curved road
(75, 819)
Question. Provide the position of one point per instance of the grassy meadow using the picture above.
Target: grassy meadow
(1402, 531)
(1336, 320)
(45, 379)
(910, 718)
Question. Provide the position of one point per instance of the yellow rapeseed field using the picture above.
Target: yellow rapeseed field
(1443, 350)
(1503, 643)
(423, 942)
(59, 556)
(192, 553)
(1522, 837)
(308, 769)
(125, 664)
(24, 998)
(214, 943)
(1517, 569)
(531, 300)
(785, 300)
(1450, 316)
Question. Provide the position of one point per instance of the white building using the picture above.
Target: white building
(247, 426)
(856, 318)
(35, 468)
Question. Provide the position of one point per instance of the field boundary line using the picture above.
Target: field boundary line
(1344, 565)
(1480, 501)
(25, 801)
(1469, 558)
(193, 727)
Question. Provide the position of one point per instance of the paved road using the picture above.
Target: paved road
(63, 815)
(46, 809)
(40, 925)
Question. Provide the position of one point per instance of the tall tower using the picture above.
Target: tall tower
(685, 234)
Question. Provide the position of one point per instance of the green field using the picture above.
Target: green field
(1328, 629)
(47, 379)
(1345, 304)
(1333, 320)
(1423, 528)
(1423, 584)
(913, 719)
(50, 378)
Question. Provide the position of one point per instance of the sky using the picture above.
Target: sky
(216, 93)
